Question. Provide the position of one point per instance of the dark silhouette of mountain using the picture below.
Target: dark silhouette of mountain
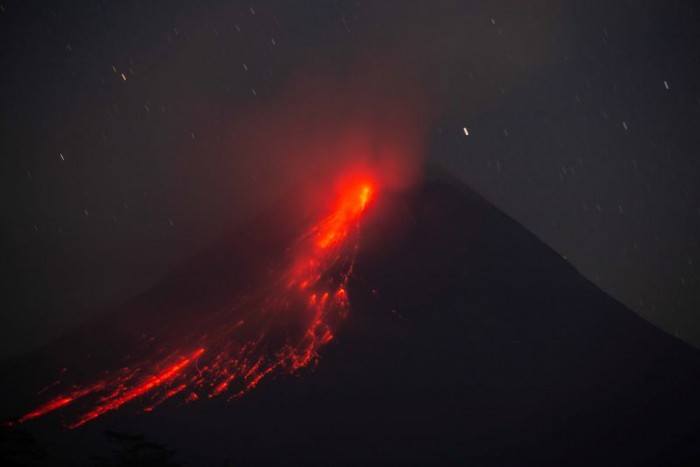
(470, 341)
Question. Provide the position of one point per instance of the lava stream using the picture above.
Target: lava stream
(279, 327)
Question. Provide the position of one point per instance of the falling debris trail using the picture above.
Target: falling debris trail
(278, 327)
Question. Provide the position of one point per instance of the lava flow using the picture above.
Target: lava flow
(279, 327)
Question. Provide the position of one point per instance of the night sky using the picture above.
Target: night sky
(126, 133)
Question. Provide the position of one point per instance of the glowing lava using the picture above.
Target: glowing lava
(280, 327)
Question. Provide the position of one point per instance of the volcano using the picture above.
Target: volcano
(466, 340)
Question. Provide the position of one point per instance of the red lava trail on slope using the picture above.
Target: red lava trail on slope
(278, 328)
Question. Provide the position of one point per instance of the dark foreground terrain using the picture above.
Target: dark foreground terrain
(469, 341)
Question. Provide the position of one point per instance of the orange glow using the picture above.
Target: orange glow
(245, 346)
(351, 204)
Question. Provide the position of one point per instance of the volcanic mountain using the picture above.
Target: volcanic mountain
(467, 340)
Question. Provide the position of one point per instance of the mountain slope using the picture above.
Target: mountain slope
(469, 340)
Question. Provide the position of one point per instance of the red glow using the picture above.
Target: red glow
(61, 401)
(234, 356)
(120, 396)
(351, 205)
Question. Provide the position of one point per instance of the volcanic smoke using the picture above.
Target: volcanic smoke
(278, 327)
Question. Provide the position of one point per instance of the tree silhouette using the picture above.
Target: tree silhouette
(18, 447)
(135, 450)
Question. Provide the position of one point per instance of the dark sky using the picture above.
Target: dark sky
(127, 127)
